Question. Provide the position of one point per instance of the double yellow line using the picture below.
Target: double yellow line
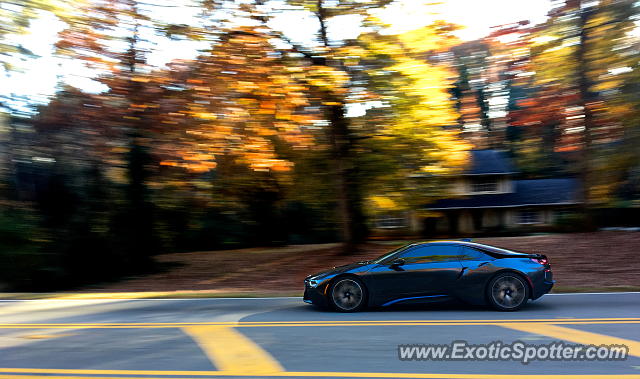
(248, 324)
(149, 374)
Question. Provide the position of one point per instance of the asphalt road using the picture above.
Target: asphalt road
(276, 337)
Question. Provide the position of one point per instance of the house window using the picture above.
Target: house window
(484, 185)
(391, 222)
(529, 217)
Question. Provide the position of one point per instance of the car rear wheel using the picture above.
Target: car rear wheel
(347, 295)
(508, 292)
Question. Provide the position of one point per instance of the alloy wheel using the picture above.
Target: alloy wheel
(347, 294)
(509, 292)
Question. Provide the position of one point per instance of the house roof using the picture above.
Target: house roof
(489, 162)
(533, 192)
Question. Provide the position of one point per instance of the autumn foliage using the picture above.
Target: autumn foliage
(262, 138)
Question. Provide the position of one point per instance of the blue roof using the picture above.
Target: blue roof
(489, 162)
(526, 193)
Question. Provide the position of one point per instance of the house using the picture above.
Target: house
(487, 197)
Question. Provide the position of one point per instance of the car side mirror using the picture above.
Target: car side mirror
(397, 263)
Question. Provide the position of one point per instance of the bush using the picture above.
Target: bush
(571, 222)
(23, 264)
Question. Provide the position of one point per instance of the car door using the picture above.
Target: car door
(477, 269)
(428, 270)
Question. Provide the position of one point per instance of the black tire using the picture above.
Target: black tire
(347, 294)
(507, 292)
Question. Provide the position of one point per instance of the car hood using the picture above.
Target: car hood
(341, 269)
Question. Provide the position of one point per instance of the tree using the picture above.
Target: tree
(575, 56)
(243, 117)
(241, 100)
(390, 71)
(108, 36)
(328, 77)
(412, 140)
(471, 87)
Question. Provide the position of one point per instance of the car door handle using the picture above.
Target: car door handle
(482, 264)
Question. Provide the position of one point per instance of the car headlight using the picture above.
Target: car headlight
(312, 282)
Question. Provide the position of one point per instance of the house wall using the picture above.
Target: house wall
(442, 225)
(459, 186)
(496, 218)
(465, 222)
(510, 218)
(492, 218)
(508, 185)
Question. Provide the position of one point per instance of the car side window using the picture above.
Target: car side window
(471, 254)
(431, 253)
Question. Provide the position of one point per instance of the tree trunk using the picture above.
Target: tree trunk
(586, 99)
(346, 180)
(141, 241)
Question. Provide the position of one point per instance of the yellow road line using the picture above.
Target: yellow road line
(231, 351)
(349, 321)
(574, 335)
(134, 374)
(59, 371)
(319, 323)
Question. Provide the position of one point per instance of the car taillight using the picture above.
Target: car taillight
(543, 261)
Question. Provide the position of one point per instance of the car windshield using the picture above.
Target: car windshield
(386, 256)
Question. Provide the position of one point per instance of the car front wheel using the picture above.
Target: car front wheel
(347, 295)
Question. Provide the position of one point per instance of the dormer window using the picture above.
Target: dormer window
(484, 185)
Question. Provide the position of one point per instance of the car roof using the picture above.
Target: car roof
(472, 244)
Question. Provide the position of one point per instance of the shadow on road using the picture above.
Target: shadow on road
(452, 309)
